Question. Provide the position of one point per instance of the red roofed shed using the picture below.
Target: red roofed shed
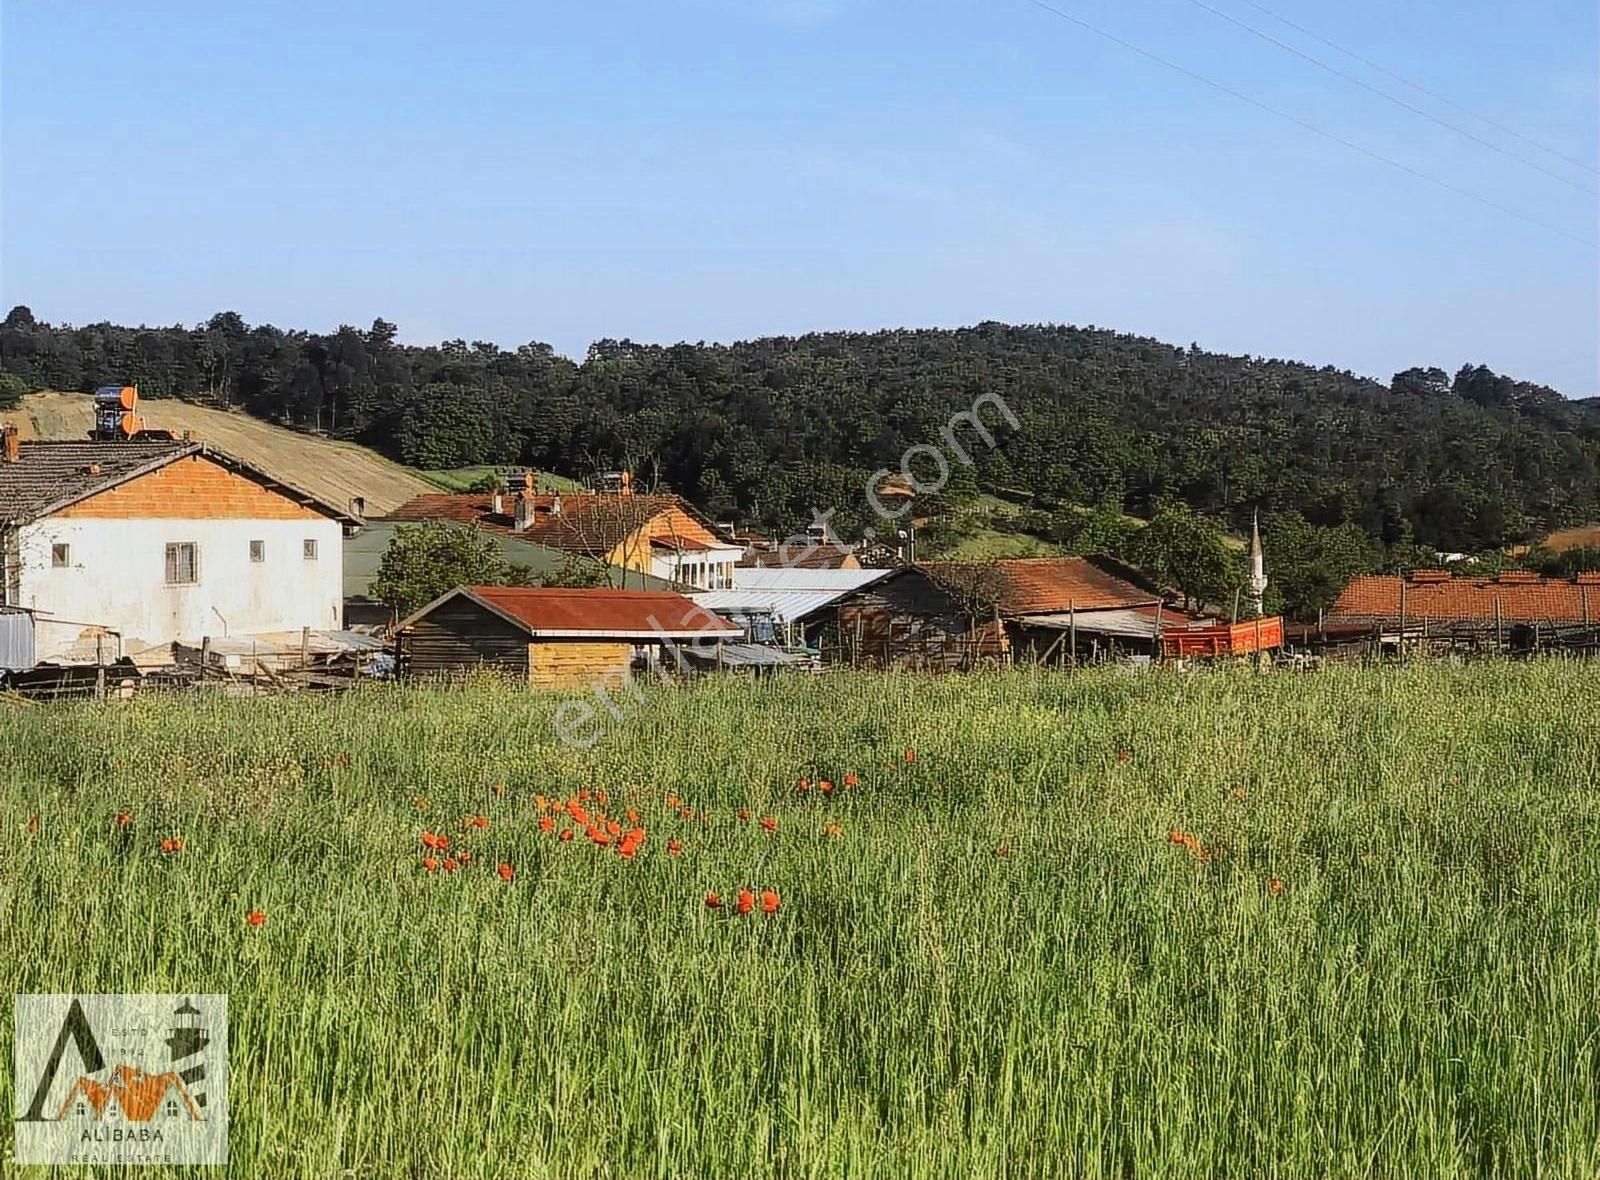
(553, 638)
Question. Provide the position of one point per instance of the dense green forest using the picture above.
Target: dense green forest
(769, 430)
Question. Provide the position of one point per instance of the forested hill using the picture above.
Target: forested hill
(770, 429)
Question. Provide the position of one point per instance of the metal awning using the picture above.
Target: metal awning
(1122, 624)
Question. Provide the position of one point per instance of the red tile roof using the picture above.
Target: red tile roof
(557, 612)
(1521, 599)
(1042, 585)
(590, 523)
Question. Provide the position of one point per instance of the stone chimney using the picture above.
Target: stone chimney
(527, 512)
(12, 442)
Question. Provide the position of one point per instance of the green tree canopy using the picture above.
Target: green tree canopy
(426, 560)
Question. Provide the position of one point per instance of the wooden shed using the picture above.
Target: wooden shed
(554, 638)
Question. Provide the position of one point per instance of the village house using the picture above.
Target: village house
(660, 536)
(112, 548)
(555, 637)
(942, 615)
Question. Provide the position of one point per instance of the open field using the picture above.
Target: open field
(334, 470)
(1048, 944)
(461, 479)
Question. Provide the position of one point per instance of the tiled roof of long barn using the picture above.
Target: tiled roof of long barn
(1520, 599)
(1039, 585)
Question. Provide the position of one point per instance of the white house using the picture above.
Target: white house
(129, 545)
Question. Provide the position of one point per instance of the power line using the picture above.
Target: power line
(1421, 89)
(1311, 127)
(1384, 94)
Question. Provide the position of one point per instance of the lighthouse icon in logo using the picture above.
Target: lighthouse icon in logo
(186, 1040)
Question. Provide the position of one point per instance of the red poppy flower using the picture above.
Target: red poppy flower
(547, 824)
(674, 847)
(770, 901)
(476, 821)
(673, 801)
(172, 845)
(747, 901)
(713, 902)
(832, 831)
(850, 780)
(770, 823)
(1275, 886)
(600, 795)
(825, 787)
(911, 755)
(506, 872)
(431, 863)
(566, 835)
(631, 843)
(464, 856)
(451, 864)
(256, 918)
(124, 818)
(805, 784)
(744, 814)
(600, 836)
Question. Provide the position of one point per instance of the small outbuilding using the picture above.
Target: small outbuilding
(556, 637)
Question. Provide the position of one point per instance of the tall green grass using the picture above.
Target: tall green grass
(1422, 998)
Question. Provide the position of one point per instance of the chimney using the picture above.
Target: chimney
(526, 512)
(13, 446)
(358, 505)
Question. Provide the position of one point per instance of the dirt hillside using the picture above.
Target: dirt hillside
(336, 471)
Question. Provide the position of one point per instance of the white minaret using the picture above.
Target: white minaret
(1257, 584)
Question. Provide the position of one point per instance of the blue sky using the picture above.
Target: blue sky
(720, 169)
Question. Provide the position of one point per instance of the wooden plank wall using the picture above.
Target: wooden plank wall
(575, 663)
(460, 636)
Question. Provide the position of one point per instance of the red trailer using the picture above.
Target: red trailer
(1224, 639)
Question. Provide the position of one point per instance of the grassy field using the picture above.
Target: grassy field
(461, 479)
(1104, 924)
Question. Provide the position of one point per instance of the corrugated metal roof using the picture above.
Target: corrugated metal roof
(1128, 624)
(785, 606)
(595, 614)
(780, 578)
(744, 655)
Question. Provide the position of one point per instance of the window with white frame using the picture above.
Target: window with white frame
(183, 563)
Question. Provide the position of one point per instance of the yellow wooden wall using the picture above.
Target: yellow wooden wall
(574, 664)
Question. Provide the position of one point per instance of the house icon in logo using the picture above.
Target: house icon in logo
(129, 1095)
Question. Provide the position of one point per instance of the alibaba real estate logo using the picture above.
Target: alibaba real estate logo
(121, 1079)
